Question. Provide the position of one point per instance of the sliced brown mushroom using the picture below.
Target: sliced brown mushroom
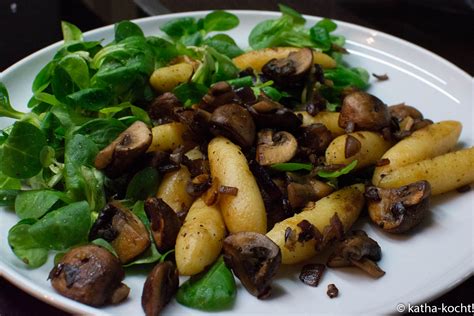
(291, 70)
(91, 275)
(160, 286)
(304, 189)
(276, 204)
(282, 118)
(162, 108)
(398, 210)
(165, 224)
(235, 123)
(407, 120)
(255, 260)
(219, 94)
(358, 250)
(363, 111)
(275, 148)
(122, 152)
(122, 229)
(314, 138)
(198, 185)
(266, 105)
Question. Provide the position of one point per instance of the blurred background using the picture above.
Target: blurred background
(445, 27)
(442, 26)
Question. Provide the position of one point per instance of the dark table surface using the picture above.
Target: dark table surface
(447, 31)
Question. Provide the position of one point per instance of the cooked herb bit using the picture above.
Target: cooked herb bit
(383, 77)
(339, 172)
(223, 189)
(311, 274)
(292, 166)
(332, 291)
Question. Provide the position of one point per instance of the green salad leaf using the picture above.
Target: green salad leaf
(6, 108)
(338, 173)
(25, 246)
(36, 203)
(63, 228)
(220, 21)
(20, 153)
(211, 290)
(292, 166)
(143, 185)
(71, 32)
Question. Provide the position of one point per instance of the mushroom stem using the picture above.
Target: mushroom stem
(368, 266)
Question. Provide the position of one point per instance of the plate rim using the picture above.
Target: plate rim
(69, 305)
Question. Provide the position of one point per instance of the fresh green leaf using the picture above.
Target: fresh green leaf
(223, 38)
(224, 67)
(212, 290)
(47, 98)
(151, 255)
(43, 78)
(220, 21)
(6, 108)
(246, 81)
(338, 40)
(224, 47)
(80, 152)
(338, 173)
(292, 166)
(64, 227)
(104, 244)
(268, 33)
(126, 29)
(295, 15)
(139, 113)
(9, 183)
(273, 93)
(327, 24)
(332, 107)
(53, 130)
(139, 210)
(320, 37)
(70, 32)
(94, 187)
(91, 99)
(344, 77)
(36, 203)
(194, 39)
(20, 154)
(8, 196)
(77, 69)
(143, 184)
(176, 28)
(102, 131)
(163, 50)
(24, 245)
(190, 93)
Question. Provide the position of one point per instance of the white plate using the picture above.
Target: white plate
(419, 266)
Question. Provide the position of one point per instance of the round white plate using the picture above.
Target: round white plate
(420, 266)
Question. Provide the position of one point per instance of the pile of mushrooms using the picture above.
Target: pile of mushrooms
(269, 133)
